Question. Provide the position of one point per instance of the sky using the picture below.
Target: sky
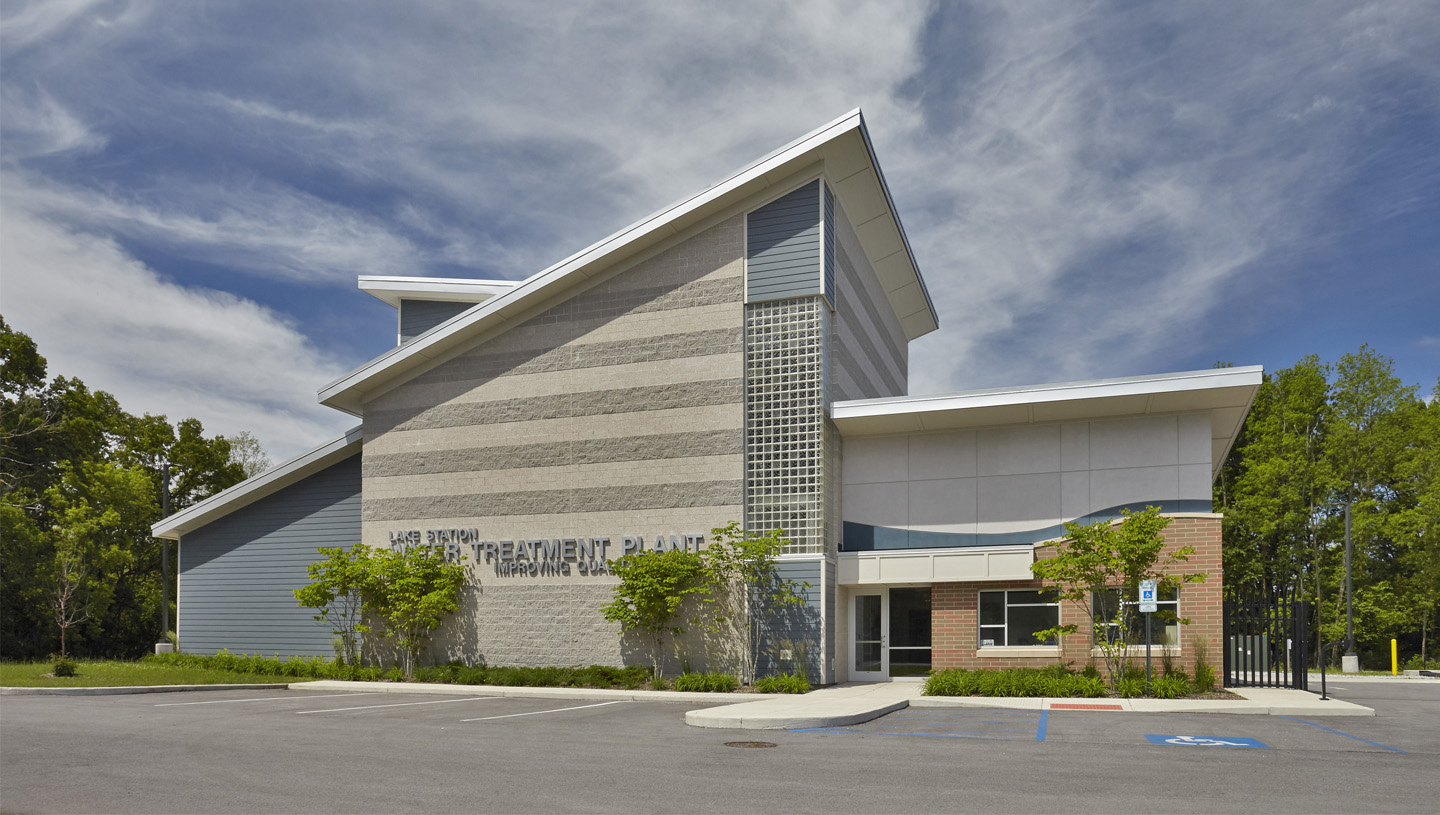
(188, 191)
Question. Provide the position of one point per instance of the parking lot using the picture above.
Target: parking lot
(305, 751)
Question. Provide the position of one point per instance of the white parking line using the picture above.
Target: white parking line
(538, 712)
(267, 699)
(397, 704)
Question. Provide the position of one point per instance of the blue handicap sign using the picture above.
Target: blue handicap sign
(1207, 741)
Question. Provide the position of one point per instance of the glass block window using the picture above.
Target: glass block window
(790, 468)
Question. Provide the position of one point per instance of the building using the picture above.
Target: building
(739, 356)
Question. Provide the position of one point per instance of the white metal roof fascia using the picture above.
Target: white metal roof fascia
(1249, 376)
(253, 489)
(449, 289)
(347, 392)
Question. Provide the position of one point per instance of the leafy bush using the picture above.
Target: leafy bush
(706, 682)
(1131, 687)
(783, 683)
(65, 666)
(1055, 681)
(1173, 686)
(1090, 671)
(1204, 681)
(1415, 663)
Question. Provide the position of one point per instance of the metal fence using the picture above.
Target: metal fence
(1266, 642)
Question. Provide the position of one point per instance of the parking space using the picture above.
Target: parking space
(960, 723)
(393, 708)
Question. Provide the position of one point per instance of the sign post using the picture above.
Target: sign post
(1147, 607)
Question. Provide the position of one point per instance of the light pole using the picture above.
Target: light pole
(1350, 661)
(164, 641)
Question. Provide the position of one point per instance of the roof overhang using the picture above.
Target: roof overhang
(842, 148)
(448, 289)
(251, 490)
(1226, 393)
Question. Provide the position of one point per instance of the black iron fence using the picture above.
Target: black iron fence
(1266, 638)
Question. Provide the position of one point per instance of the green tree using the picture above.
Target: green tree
(1104, 560)
(741, 568)
(80, 474)
(653, 585)
(412, 590)
(1276, 482)
(336, 590)
(368, 594)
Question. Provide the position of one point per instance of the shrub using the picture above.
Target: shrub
(1130, 686)
(783, 683)
(65, 666)
(1204, 678)
(706, 682)
(1090, 672)
(1170, 687)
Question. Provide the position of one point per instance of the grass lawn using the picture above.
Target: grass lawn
(112, 673)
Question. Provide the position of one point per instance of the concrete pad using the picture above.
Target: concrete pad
(1285, 702)
(835, 706)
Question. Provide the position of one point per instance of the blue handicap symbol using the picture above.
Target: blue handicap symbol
(1207, 741)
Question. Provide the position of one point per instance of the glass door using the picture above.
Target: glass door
(867, 623)
(891, 634)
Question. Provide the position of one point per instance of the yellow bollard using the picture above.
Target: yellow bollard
(1394, 661)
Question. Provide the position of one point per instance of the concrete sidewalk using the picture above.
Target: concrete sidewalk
(854, 703)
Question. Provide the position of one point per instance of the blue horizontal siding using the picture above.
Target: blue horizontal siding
(782, 247)
(797, 627)
(238, 574)
(419, 316)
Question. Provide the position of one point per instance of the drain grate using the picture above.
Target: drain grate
(749, 744)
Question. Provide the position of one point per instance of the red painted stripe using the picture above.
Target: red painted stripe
(1067, 706)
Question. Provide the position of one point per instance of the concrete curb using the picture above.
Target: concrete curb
(520, 692)
(121, 690)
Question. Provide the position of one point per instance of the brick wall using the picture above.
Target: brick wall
(955, 620)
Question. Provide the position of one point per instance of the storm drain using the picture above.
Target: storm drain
(749, 744)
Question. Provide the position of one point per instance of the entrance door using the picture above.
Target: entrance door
(891, 631)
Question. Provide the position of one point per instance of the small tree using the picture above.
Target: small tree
(652, 587)
(69, 607)
(336, 589)
(407, 591)
(1099, 565)
(743, 564)
(412, 590)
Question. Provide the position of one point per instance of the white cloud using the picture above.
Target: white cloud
(99, 315)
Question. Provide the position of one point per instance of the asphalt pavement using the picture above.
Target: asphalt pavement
(277, 751)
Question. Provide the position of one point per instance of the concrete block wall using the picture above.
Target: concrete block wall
(615, 411)
(956, 623)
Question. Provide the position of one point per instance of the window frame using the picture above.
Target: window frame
(1005, 627)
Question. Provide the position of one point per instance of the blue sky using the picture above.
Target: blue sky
(1098, 189)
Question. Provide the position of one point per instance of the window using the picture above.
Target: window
(1013, 617)
(1164, 623)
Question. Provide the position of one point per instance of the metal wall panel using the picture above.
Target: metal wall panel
(419, 316)
(237, 574)
(782, 247)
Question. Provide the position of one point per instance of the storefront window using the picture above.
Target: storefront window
(1013, 617)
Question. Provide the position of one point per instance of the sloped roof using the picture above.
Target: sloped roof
(251, 490)
(849, 161)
